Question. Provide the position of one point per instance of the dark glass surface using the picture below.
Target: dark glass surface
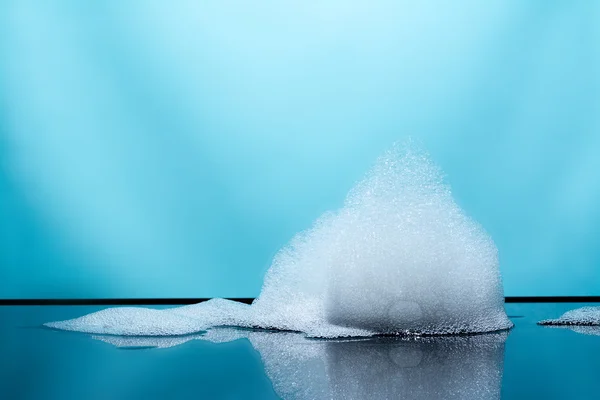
(529, 362)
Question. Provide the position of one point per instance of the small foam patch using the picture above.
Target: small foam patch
(132, 321)
(584, 316)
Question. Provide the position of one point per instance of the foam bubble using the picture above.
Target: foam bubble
(399, 257)
(584, 316)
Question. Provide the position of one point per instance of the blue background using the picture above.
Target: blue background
(169, 149)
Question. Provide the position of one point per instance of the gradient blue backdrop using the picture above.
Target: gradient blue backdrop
(169, 149)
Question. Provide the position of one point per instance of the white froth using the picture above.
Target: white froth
(132, 321)
(399, 257)
(589, 316)
(407, 258)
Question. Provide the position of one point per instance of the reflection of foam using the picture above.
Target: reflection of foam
(583, 329)
(586, 330)
(459, 367)
(399, 257)
(132, 342)
(436, 368)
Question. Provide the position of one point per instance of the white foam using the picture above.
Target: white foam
(589, 316)
(407, 258)
(399, 257)
(132, 321)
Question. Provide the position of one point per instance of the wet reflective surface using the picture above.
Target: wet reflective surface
(529, 362)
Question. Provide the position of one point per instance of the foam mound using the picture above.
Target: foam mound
(400, 257)
(584, 316)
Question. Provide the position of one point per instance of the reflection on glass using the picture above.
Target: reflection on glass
(451, 367)
(583, 329)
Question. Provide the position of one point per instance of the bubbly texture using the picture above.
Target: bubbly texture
(400, 257)
(132, 321)
(584, 316)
